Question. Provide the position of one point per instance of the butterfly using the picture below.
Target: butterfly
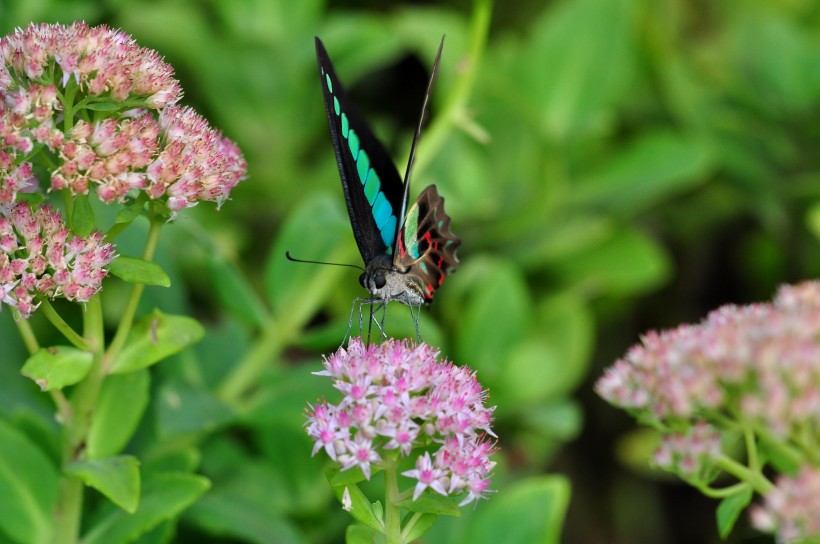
(408, 252)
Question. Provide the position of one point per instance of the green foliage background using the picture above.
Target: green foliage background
(614, 165)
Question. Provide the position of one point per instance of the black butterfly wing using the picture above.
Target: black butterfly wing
(373, 190)
(426, 246)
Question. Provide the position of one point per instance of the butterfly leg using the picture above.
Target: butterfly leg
(415, 317)
(357, 303)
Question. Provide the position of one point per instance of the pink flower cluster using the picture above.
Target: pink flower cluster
(196, 162)
(690, 453)
(758, 360)
(99, 59)
(792, 508)
(171, 154)
(40, 258)
(397, 396)
(110, 154)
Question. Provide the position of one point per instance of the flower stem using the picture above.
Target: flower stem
(392, 512)
(130, 311)
(68, 509)
(60, 324)
(753, 477)
(32, 345)
(26, 332)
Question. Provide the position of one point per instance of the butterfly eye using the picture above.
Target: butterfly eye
(379, 281)
(361, 281)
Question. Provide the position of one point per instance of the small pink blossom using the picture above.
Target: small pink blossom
(792, 508)
(40, 258)
(398, 397)
(98, 59)
(691, 453)
(138, 139)
(759, 360)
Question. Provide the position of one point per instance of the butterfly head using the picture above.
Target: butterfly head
(386, 282)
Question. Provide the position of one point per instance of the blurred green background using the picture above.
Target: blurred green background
(611, 166)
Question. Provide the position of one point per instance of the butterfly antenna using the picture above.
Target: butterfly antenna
(417, 134)
(295, 260)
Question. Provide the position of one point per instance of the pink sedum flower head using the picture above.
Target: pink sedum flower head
(691, 453)
(100, 60)
(39, 257)
(758, 360)
(792, 508)
(399, 397)
(104, 108)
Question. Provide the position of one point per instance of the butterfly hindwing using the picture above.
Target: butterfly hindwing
(373, 189)
(426, 246)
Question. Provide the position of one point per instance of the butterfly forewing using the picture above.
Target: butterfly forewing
(372, 186)
(426, 245)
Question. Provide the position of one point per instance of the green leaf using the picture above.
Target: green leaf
(28, 488)
(184, 408)
(235, 293)
(342, 478)
(730, 509)
(122, 402)
(57, 367)
(651, 169)
(780, 455)
(154, 338)
(432, 503)
(582, 87)
(813, 220)
(82, 216)
(496, 314)
(422, 525)
(554, 360)
(251, 506)
(360, 509)
(559, 421)
(164, 497)
(118, 478)
(131, 211)
(296, 290)
(602, 269)
(134, 270)
(537, 504)
(358, 534)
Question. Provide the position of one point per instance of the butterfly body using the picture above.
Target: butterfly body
(407, 252)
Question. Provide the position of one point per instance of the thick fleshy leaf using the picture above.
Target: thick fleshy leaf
(118, 478)
(422, 524)
(730, 509)
(251, 506)
(432, 503)
(360, 507)
(537, 504)
(164, 497)
(582, 87)
(28, 488)
(297, 290)
(359, 534)
(655, 167)
(154, 338)
(122, 402)
(629, 262)
(496, 314)
(57, 367)
(82, 216)
(134, 270)
(235, 293)
(184, 408)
